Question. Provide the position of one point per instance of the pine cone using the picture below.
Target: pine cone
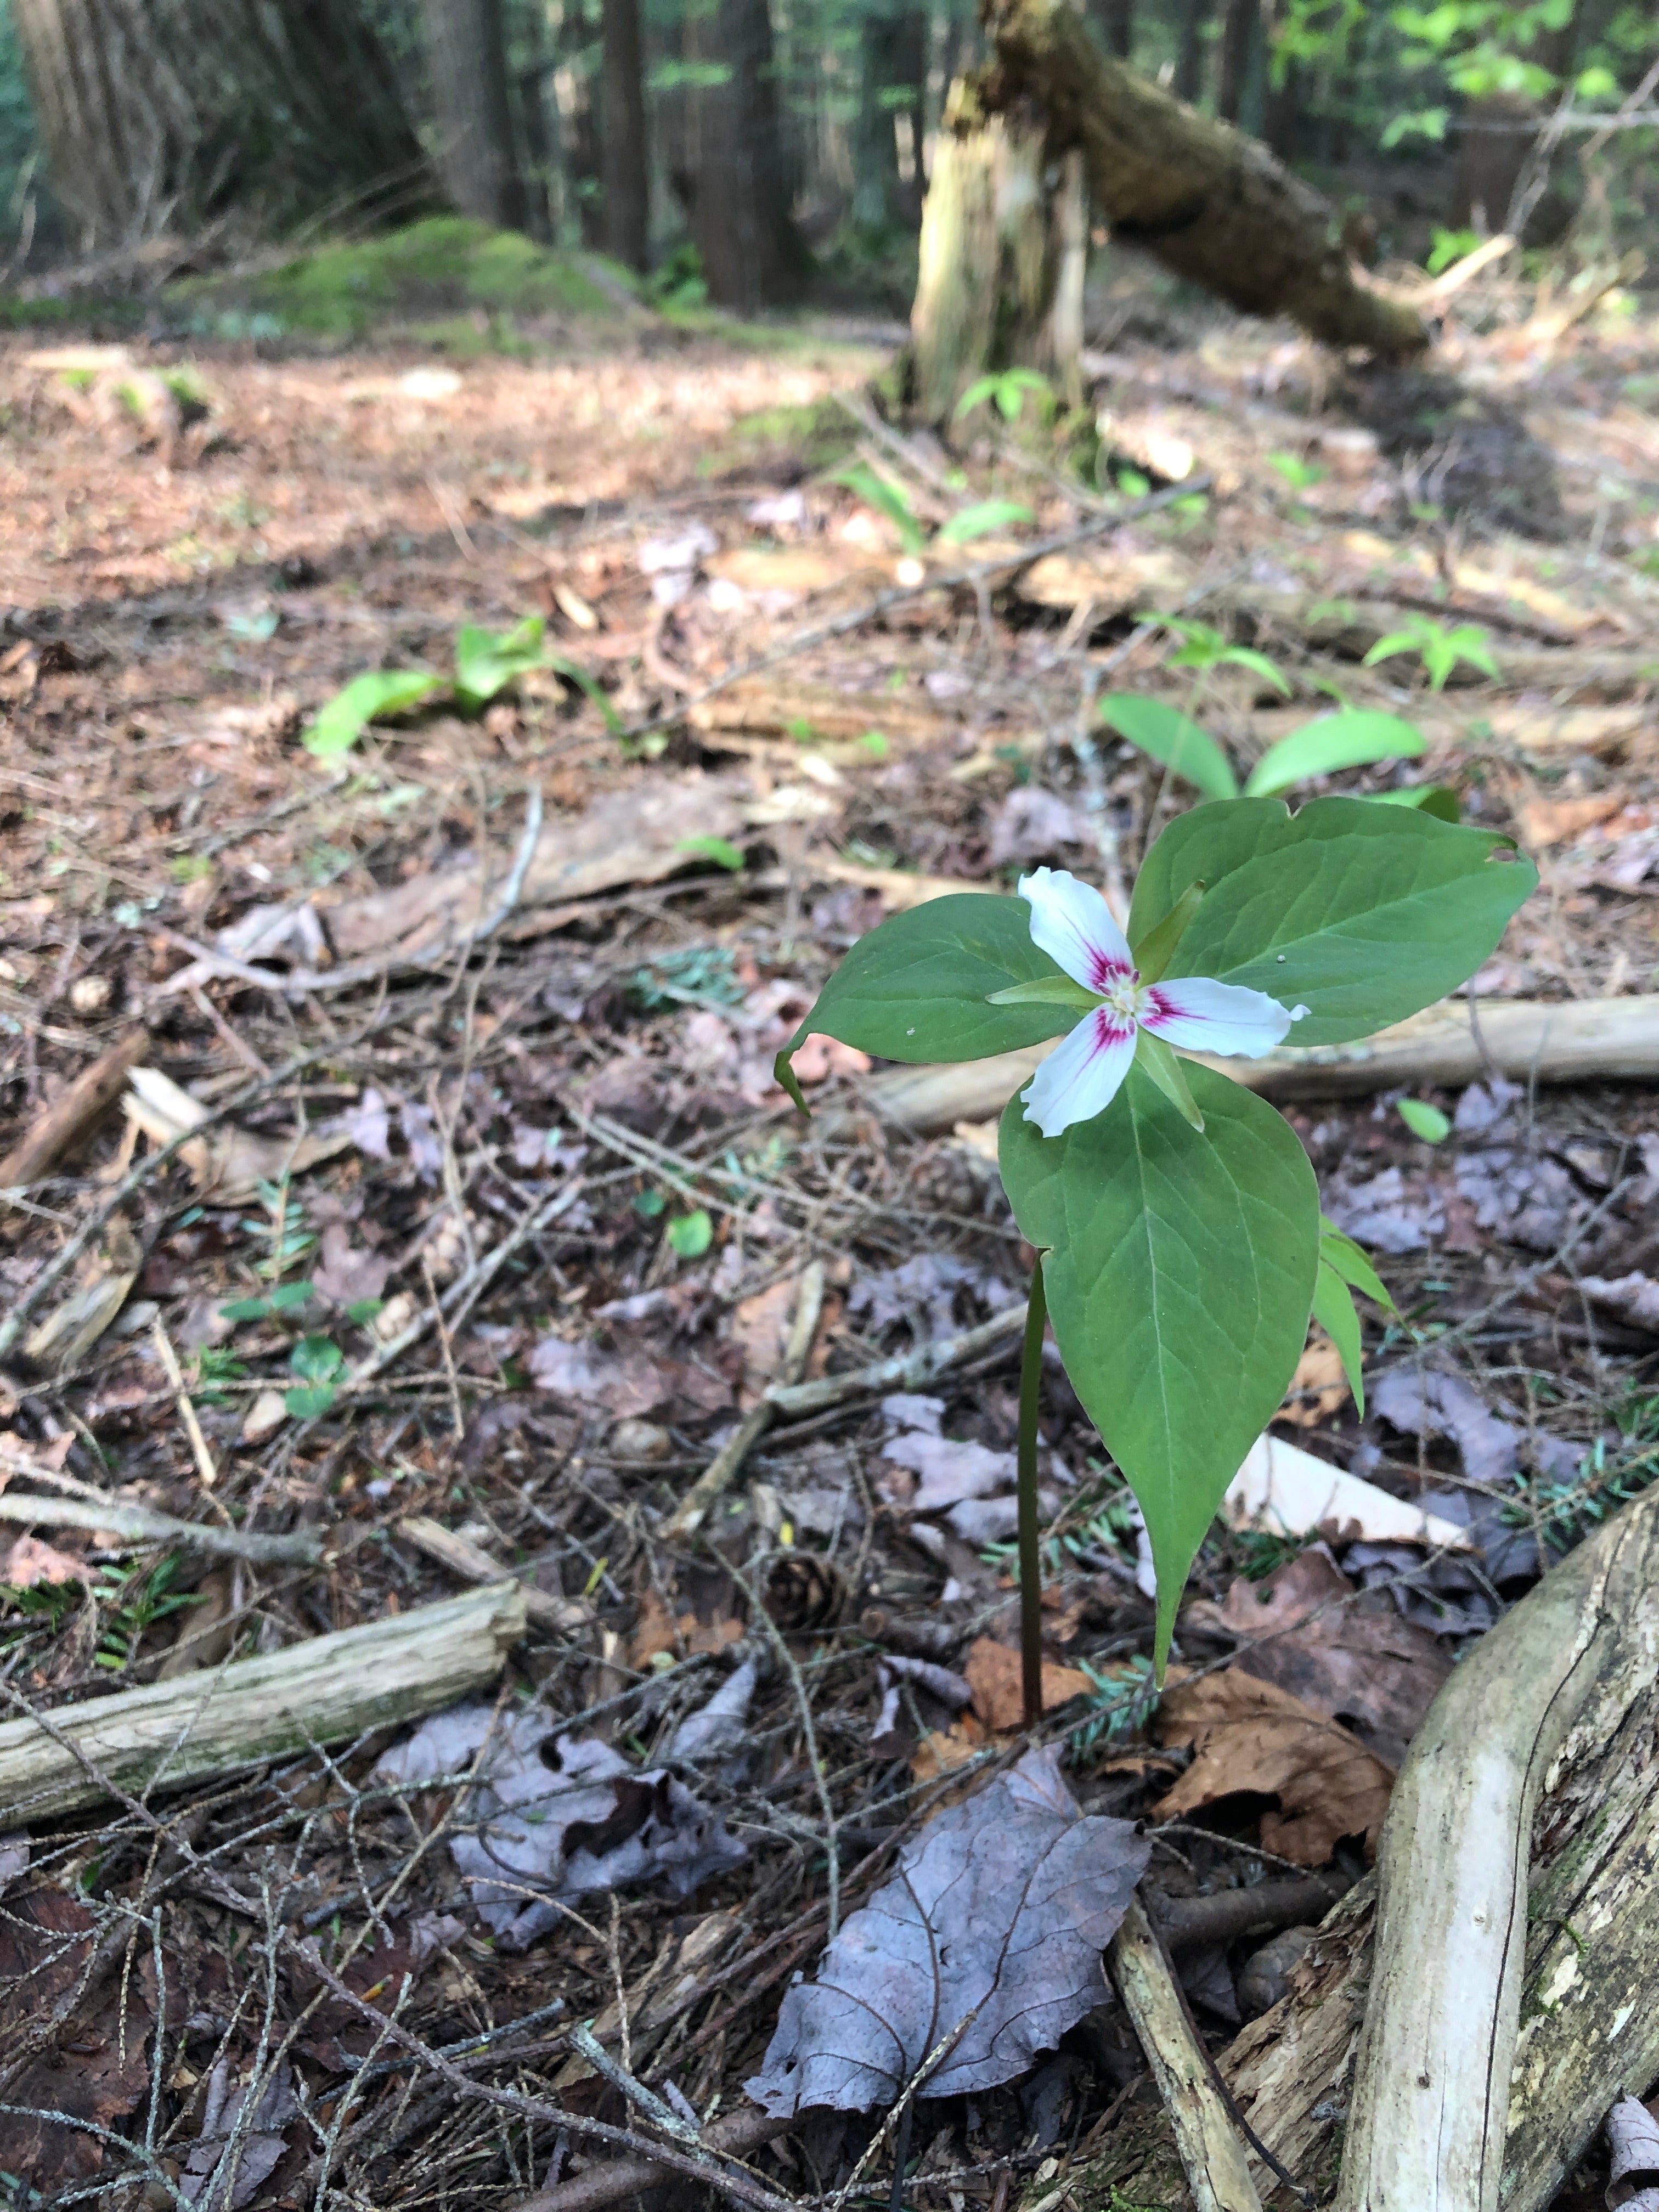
(804, 1590)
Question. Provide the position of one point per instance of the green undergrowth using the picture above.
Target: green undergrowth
(455, 284)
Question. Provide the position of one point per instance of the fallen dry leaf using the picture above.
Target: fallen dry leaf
(29, 1563)
(626, 1385)
(1252, 1739)
(1633, 1298)
(992, 1672)
(1345, 1652)
(1549, 821)
(1318, 1387)
(760, 1327)
(1287, 1491)
(819, 1057)
(659, 1631)
(993, 1931)
(227, 1162)
(70, 1330)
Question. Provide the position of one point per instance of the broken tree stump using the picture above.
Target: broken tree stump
(1511, 1957)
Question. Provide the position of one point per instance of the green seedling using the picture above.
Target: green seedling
(1441, 646)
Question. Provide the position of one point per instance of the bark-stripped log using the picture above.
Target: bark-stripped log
(1516, 1981)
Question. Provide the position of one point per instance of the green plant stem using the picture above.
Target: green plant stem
(1030, 1563)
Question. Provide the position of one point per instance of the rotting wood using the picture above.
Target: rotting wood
(1559, 1705)
(468, 1563)
(1205, 2139)
(1459, 1041)
(72, 1116)
(1209, 203)
(324, 1691)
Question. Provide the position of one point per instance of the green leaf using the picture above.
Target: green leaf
(720, 850)
(1243, 656)
(874, 490)
(591, 690)
(363, 1311)
(486, 662)
(1362, 914)
(285, 1297)
(317, 1359)
(1179, 1274)
(691, 1235)
(1333, 1308)
(1161, 1064)
(1334, 741)
(1436, 798)
(1184, 748)
(1153, 953)
(1424, 1121)
(919, 986)
(649, 1204)
(305, 1404)
(1344, 1257)
(979, 520)
(366, 699)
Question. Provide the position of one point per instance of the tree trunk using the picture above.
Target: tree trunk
(163, 115)
(892, 75)
(1450, 2084)
(1238, 30)
(1189, 54)
(627, 171)
(1117, 28)
(740, 215)
(1203, 199)
(466, 57)
(991, 255)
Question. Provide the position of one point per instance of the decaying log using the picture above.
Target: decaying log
(324, 1691)
(1459, 1041)
(1505, 1990)
(1207, 202)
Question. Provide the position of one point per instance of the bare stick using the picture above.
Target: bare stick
(68, 1118)
(740, 2131)
(137, 1524)
(1212, 2155)
(722, 1471)
(468, 1564)
(198, 1442)
(906, 1371)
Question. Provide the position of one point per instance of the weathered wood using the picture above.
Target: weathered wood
(137, 1524)
(1207, 202)
(1520, 1991)
(1574, 1041)
(324, 1691)
(72, 1116)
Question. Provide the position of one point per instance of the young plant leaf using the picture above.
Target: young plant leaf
(921, 986)
(874, 490)
(1184, 748)
(1424, 1121)
(1362, 914)
(1334, 741)
(981, 519)
(720, 850)
(1333, 1309)
(366, 699)
(593, 691)
(486, 662)
(691, 1235)
(1345, 1258)
(1179, 1274)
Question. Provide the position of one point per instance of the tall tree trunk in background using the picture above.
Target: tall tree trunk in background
(1117, 27)
(1238, 30)
(1285, 89)
(740, 213)
(627, 169)
(892, 75)
(1189, 52)
(162, 116)
(466, 57)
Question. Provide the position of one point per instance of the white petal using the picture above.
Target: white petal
(1073, 924)
(1201, 1015)
(1081, 1075)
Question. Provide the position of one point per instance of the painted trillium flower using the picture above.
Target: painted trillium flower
(1073, 925)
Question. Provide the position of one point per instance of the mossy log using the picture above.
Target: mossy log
(1209, 203)
(1504, 1990)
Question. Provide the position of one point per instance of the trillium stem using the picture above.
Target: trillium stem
(1030, 1562)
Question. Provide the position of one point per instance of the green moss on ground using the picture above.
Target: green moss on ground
(458, 284)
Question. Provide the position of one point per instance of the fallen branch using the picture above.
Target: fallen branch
(137, 1524)
(724, 1468)
(71, 1116)
(739, 2132)
(1186, 1924)
(1454, 1043)
(324, 1691)
(562, 1616)
(906, 1371)
(1510, 1986)
(1210, 2152)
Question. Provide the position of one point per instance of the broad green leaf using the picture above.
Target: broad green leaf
(1436, 798)
(1346, 740)
(1179, 1274)
(305, 1405)
(367, 699)
(316, 1359)
(691, 1235)
(1344, 1257)
(1362, 914)
(1333, 1308)
(1424, 1121)
(285, 1297)
(979, 520)
(1184, 748)
(720, 850)
(1243, 656)
(919, 987)
(873, 489)
(486, 662)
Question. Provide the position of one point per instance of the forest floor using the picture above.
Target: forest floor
(496, 1224)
